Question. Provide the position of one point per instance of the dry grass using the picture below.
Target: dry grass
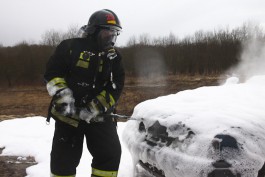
(28, 101)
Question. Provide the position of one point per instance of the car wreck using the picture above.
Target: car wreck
(213, 131)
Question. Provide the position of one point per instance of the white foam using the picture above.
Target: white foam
(235, 109)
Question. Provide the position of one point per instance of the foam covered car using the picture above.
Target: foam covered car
(215, 131)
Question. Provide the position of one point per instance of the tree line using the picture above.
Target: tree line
(203, 53)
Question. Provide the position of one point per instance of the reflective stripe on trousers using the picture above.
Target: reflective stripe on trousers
(103, 173)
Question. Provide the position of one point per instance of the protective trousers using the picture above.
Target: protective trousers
(102, 142)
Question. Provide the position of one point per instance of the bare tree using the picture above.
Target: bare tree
(51, 38)
(144, 39)
(172, 39)
(72, 32)
(132, 41)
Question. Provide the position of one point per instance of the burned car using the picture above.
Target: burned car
(215, 131)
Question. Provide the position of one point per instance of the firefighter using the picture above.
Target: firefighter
(85, 78)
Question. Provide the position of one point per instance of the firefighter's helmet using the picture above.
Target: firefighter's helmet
(103, 19)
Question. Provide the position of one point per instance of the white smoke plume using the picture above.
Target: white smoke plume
(252, 58)
(149, 63)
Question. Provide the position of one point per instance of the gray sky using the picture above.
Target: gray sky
(29, 19)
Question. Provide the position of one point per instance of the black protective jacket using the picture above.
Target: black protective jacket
(86, 70)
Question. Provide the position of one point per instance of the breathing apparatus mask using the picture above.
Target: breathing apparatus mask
(106, 37)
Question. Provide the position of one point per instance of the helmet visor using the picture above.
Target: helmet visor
(107, 38)
(110, 27)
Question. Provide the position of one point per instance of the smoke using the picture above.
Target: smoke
(149, 63)
(252, 58)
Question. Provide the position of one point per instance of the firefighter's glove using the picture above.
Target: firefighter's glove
(63, 102)
(92, 110)
(111, 54)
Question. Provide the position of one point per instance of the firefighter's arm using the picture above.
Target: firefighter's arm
(109, 96)
(56, 70)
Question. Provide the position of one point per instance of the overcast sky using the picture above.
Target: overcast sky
(29, 19)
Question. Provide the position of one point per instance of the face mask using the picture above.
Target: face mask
(106, 38)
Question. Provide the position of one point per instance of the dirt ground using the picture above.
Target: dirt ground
(33, 101)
